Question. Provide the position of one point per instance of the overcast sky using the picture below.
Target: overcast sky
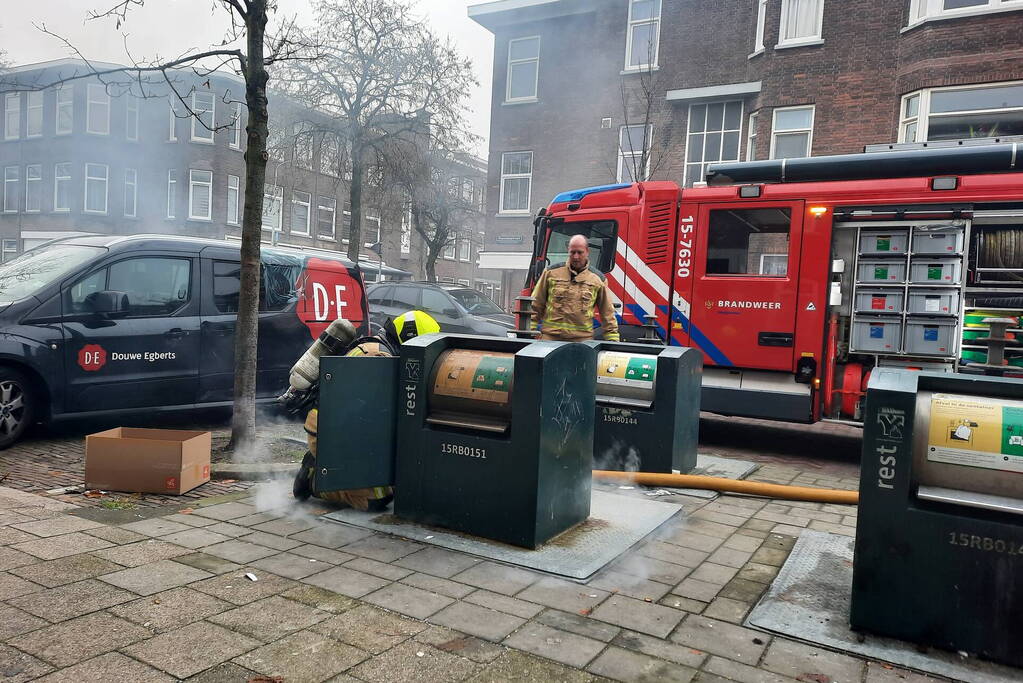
(167, 28)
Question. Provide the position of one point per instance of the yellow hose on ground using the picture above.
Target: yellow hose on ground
(754, 488)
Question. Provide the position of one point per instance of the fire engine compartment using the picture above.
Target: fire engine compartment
(912, 286)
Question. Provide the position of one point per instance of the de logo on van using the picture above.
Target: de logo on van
(92, 357)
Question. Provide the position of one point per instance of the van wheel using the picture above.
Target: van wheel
(16, 406)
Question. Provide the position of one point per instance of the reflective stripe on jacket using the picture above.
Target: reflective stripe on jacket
(566, 302)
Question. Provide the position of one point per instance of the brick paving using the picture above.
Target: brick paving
(87, 597)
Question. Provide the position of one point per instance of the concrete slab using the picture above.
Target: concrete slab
(616, 523)
(809, 601)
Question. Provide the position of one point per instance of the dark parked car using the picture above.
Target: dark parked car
(110, 324)
(455, 307)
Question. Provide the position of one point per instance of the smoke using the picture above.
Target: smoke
(620, 457)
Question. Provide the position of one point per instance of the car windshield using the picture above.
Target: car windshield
(29, 273)
(474, 302)
(599, 234)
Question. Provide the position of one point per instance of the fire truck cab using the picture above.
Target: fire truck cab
(796, 278)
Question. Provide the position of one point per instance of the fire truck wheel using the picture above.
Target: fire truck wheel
(17, 409)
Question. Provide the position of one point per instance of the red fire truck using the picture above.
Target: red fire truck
(797, 277)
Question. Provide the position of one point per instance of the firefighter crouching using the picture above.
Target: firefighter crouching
(397, 330)
(567, 296)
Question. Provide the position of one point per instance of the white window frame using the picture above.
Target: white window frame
(758, 36)
(233, 210)
(201, 133)
(58, 178)
(273, 195)
(172, 121)
(508, 76)
(765, 257)
(38, 183)
(448, 252)
(97, 96)
(65, 99)
(12, 116)
(923, 116)
(6, 250)
(379, 234)
(922, 11)
(752, 121)
(463, 281)
(630, 29)
(172, 193)
(12, 176)
(131, 119)
(34, 107)
(297, 201)
(816, 39)
(775, 132)
(236, 127)
(405, 238)
(465, 250)
(193, 184)
(131, 190)
(627, 156)
(321, 206)
(105, 178)
(510, 176)
(689, 131)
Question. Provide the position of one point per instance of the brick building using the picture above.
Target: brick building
(85, 157)
(587, 92)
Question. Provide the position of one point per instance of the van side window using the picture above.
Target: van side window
(226, 286)
(80, 291)
(154, 285)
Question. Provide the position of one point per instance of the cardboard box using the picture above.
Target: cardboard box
(147, 460)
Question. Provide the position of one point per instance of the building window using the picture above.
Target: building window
(172, 192)
(371, 230)
(330, 156)
(233, 194)
(464, 250)
(34, 111)
(751, 137)
(326, 213)
(523, 69)
(922, 10)
(516, 178)
(300, 202)
(236, 127)
(172, 121)
(758, 39)
(65, 118)
(792, 132)
(406, 230)
(12, 116)
(96, 188)
(62, 186)
(10, 250)
(97, 110)
(985, 111)
(203, 116)
(633, 146)
(714, 130)
(448, 252)
(303, 138)
(11, 176)
(801, 22)
(131, 119)
(643, 34)
(272, 200)
(200, 195)
(33, 188)
(131, 192)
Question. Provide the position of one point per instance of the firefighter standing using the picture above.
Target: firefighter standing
(567, 296)
(397, 331)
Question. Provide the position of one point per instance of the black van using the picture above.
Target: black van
(111, 324)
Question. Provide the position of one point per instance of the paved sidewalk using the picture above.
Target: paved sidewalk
(89, 598)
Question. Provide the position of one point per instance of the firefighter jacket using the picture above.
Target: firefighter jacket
(566, 302)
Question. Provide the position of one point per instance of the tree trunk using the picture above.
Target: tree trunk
(355, 199)
(432, 252)
(243, 423)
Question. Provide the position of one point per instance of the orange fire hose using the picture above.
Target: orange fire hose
(755, 488)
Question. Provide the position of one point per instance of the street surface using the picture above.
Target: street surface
(153, 594)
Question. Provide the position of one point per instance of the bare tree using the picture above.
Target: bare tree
(382, 76)
(638, 157)
(248, 50)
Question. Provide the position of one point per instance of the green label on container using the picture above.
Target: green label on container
(884, 243)
(642, 369)
(880, 272)
(1012, 430)
(934, 272)
(492, 373)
